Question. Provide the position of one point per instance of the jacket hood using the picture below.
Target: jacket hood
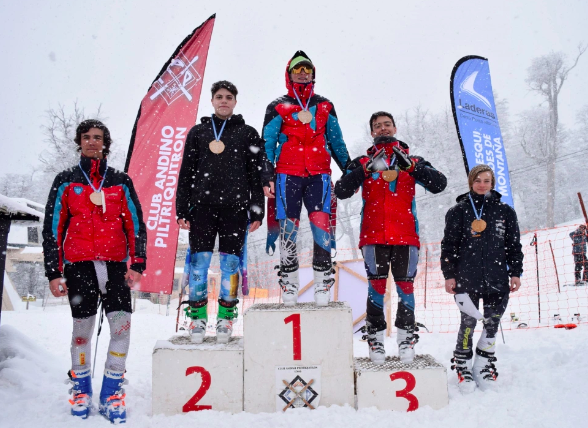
(386, 142)
(304, 90)
(492, 196)
(234, 120)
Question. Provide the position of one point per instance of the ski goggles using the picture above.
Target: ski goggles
(302, 68)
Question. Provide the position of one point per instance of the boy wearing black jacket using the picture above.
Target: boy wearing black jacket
(219, 192)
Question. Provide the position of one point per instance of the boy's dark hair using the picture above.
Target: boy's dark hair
(380, 114)
(224, 84)
(88, 124)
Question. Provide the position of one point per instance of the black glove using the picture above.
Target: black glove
(403, 161)
(377, 162)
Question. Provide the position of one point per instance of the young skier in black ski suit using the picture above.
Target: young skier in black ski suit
(480, 250)
(579, 239)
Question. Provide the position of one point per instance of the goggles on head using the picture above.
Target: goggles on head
(297, 69)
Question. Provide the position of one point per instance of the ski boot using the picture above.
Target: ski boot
(322, 287)
(289, 282)
(112, 397)
(197, 313)
(81, 390)
(484, 370)
(227, 311)
(462, 364)
(375, 340)
(406, 340)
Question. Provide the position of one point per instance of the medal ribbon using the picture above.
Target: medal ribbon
(478, 217)
(217, 136)
(300, 102)
(90, 181)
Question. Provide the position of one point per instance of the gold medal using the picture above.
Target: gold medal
(216, 147)
(96, 198)
(390, 175)
(305, 116)
(478, 226)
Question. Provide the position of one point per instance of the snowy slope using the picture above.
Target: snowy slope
(543, 378)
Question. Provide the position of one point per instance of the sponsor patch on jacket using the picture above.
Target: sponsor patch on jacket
(78, 190)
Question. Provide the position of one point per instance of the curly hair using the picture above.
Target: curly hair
(224, 84)
(88, 124)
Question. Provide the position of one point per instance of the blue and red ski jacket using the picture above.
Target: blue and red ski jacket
(76, 230)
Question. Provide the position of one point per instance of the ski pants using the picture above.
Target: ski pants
(379, 260)
(580, 263)
(86, 282)
(494, 307)
(206, 222)
(315, 192)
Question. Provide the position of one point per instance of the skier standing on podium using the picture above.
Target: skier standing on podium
(389, 236)
(93, 225)
(219, 193)
(302, 133)
(481, 249)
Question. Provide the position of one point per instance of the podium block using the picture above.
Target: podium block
(189, 376)
(399, 386)
(297, 355)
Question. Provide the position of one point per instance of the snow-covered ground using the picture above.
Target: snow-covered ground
(543, 378)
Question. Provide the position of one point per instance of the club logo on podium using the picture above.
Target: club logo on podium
(298, 386)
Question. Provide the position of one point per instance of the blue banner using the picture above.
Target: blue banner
(476, 120)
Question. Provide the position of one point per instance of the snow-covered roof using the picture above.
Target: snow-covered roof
(19, 206)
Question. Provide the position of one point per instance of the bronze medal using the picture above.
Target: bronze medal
(96, 198)
(216, 147)
(390, 175)
(305, 116)
(478, 226)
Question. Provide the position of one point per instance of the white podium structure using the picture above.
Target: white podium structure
(399, 386)
(189, 377)
(297, 356)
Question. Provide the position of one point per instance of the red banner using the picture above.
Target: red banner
(167, 113)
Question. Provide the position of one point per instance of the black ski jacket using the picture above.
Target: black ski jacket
(228, 179)
(579, 239)
(481, 262)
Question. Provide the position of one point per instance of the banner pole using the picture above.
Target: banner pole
(583, 208)
(537, 263)
(555, 265)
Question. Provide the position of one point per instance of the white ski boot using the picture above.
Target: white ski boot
(484, 370)
(375, 340)
(227, 312)
(322, 287)
(198, 317)
(406, 340)
(463, 367)
(289, 282)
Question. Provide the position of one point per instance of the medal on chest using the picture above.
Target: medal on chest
(390, 175)
(478, 225)
(216, 146)
(304, 116)
(97, 196)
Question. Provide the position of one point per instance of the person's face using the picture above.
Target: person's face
(223, 103)
(482, 183)
(302, 73)
(93, 143)
(383, 125)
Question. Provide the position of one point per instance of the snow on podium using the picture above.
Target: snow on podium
(287, 360)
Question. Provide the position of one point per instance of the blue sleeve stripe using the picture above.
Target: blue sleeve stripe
(335, 138)
(271, 132)
(414, 213)
(132, 209)
(57, 209)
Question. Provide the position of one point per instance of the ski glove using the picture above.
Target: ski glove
(404, 162)
(376, 162)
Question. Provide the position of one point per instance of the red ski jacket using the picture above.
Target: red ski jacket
(303, 149)
(389, 215)
(76, 230)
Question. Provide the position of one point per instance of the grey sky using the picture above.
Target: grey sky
(386, 55)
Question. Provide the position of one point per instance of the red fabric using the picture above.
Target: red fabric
(379, 285)
(92, 234)
(406, 287)
(305, 153)
(387, 216)
(320, 219)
